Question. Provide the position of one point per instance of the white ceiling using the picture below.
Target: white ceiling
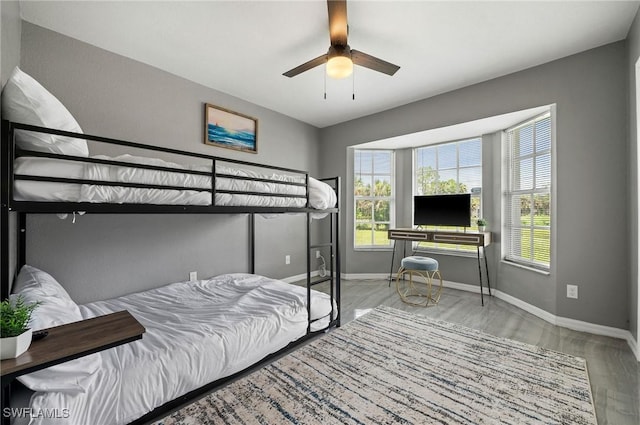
(243, 47)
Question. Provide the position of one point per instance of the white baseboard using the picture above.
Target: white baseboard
(536, 311)
(635, 345)
(592, 328)
(299, 277)
(465, 287)
(576, 325)
(365, 276)
(385, 276)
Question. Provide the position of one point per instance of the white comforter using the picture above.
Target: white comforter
(196, 333)
(321, 195)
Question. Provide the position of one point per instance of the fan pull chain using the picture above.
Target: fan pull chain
(353, 84)
(325, 82)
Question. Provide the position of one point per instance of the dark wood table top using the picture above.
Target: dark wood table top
(74, 340)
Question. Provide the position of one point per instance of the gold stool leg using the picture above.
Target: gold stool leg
(398, 276)
(435, 298)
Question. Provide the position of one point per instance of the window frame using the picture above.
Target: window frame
(373, 198)
(508, 192)
(450, 249)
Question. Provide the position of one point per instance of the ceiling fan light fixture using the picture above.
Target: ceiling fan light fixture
(339, 67)
(339, 63)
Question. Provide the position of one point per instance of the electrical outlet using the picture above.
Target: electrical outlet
(193, 276)
(317, 254)
(287, 259)
(572, 291)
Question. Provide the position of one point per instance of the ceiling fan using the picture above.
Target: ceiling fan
(340, 57)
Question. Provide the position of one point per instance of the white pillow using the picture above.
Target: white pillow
(25, 101)
(56, 308)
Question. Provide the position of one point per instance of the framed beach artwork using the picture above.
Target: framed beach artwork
(228, 129)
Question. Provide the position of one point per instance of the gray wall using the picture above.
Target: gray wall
(633, 41)
(10, 27)
(590, 91)
(110, 95)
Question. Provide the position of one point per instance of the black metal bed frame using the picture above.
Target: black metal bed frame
(9, 152)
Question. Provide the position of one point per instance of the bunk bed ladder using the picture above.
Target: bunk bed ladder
(308, 273)
(6, 192)
(4, 214)
(336, 248)
(334, 276)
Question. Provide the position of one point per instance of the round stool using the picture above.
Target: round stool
(419, 293)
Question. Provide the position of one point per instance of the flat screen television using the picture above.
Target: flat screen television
(442, 210)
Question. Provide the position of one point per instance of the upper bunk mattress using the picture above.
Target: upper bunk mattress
(321, 195)
(196, 333)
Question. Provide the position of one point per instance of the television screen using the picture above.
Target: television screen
(442, 210)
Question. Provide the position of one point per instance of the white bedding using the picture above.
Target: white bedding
(321, 195)
(196, 333)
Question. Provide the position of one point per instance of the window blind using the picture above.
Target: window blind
(527, 215)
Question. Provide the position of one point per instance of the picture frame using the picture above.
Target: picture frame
(229, 129)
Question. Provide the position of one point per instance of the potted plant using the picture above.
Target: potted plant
(15, 334)
(482, 224)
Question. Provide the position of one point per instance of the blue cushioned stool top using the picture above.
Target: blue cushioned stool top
(416, 262)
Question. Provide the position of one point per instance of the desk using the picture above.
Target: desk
(477, 239)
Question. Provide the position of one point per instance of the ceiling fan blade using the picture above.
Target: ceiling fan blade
(337, 22)
(306, 66)
(371, 62)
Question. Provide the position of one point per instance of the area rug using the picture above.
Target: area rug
(391, 367)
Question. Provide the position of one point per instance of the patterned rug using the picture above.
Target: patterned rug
(392, 367)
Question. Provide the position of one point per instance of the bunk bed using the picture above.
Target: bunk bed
(35, 181)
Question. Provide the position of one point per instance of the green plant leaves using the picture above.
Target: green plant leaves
(14, 317)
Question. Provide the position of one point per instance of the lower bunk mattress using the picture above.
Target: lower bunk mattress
(196, 333)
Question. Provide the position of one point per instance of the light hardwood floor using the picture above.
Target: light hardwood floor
(614, 372)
